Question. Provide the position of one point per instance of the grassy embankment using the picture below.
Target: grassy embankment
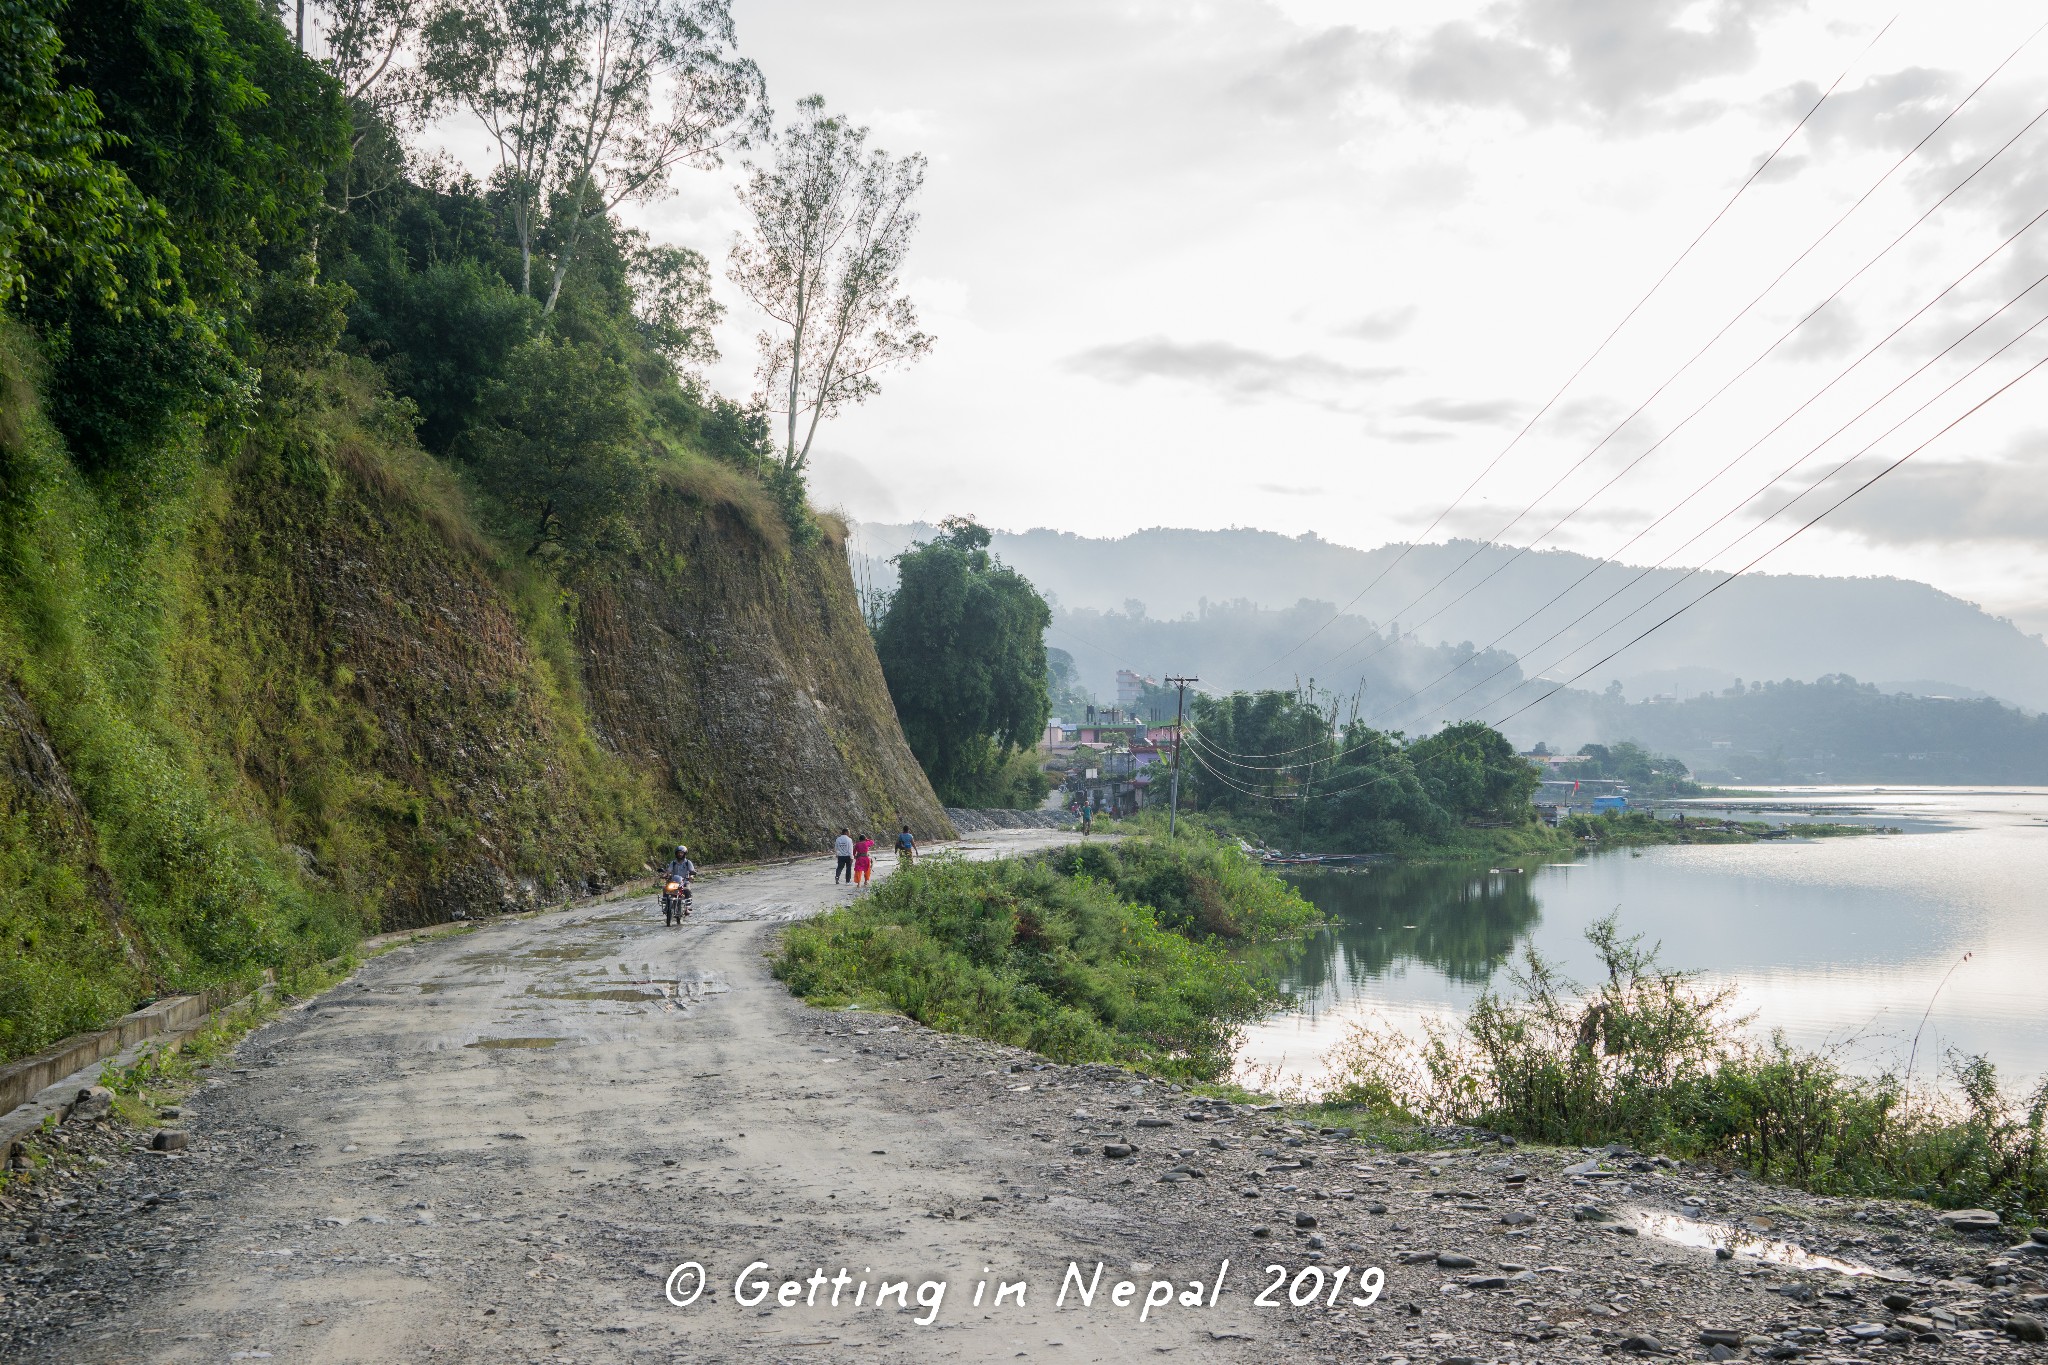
(1117, 953)
(1656, 1059)
(1532, 838)
(1642, 827)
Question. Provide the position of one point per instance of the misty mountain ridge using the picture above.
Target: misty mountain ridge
(1761, 626)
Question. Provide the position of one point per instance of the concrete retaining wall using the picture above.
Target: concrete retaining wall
(21, 1080)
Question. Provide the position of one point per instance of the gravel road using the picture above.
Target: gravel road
(501, 1145)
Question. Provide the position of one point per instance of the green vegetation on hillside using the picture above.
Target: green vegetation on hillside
(1091, 954)
(328, 473)
(1655, 1058)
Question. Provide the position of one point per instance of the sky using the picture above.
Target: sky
(1312, 267)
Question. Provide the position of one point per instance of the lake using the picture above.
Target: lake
(1838, 942)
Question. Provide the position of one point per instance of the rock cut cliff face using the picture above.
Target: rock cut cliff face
(310, 696)
(737, 674)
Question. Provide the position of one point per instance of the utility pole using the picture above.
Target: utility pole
(1179, 713)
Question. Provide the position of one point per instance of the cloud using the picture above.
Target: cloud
(1485, 521)
(1384, 325)
(1952, 501)
(1830, 334)
(1551, 61)
(1291, 491)
(1236, 372)
(1592, 415)
(1482, 411)
(1893, 110)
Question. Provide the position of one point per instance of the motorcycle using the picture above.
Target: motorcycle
(675, 901)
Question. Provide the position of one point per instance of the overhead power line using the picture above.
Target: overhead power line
(1742, 455)
(1645, 634)
(1711, 341)
(1239, 761)
(1793, 535)
(1760, 491)
(1596, 352)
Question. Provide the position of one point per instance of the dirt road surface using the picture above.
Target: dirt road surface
(500, 1146)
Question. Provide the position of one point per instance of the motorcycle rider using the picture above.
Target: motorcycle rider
(680, 869)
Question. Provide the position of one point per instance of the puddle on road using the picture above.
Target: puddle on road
(616, 994)
(1670, 1227)
(515, 1042)
(566, 952)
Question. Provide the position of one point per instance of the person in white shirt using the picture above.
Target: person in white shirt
(843, 847)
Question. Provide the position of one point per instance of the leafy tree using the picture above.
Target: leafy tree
(555, 441)
(368, 47)
(663, 88)
(1473, 770)
(832, 224)
(962, 645)
(216, 117)
(1271, 761)
(673, 304)
(68, 216)
(514, 63)
(1069, 698)
(443, 334)
(205, 109)
(1646, 773)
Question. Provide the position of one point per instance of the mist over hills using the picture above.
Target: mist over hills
(1164, 599)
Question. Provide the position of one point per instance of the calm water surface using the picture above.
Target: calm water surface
(1836, 941)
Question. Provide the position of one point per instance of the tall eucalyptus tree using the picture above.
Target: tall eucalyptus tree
(832, 223)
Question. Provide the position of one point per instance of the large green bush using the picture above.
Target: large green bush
(1060, 954)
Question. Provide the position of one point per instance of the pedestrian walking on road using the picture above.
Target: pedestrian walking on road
(863, 861)
(906, 847)
(843, 847)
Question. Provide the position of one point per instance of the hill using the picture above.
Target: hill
(1761, 626)
(1838, 730)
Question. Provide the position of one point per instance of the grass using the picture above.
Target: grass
(1119, 954)
(1643, 827)
(1654, 1058)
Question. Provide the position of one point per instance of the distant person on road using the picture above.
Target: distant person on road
(1087, 818)
(863, 861)
(677, 873)
(843, 847)
(906, 847)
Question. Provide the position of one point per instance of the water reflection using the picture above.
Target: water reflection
(1844, 942)
(1462, 921)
